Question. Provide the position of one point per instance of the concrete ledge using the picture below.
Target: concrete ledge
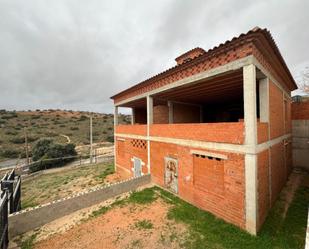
(29, 219)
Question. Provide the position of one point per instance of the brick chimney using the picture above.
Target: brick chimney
(190, 55)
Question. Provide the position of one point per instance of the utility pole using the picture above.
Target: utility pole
(26, 146)
(91, 155)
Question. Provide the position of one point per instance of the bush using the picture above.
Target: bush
(83, 117)
(17, 140)
(2, 121)
(74, 128)
(48, 154)
(9, 153)
(13, 133)
(110, 139)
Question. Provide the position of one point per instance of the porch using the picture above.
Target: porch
(209, 110)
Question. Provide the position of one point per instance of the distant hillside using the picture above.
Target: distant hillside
(56, 124)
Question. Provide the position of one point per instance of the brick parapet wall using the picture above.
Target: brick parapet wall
(213, 132)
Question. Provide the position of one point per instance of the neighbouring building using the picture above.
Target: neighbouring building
(300, 131)
(215, 129)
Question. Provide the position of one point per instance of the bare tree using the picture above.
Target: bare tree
(304, 84)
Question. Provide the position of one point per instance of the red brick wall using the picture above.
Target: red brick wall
(278, 170)
(125, 151)
(226, 202)
(132, 129)
(288, 116)
(160, 114)
(186, 113)
(263, 186)
(276, 117)
(214, 132)
(300, 110)
(262, 131)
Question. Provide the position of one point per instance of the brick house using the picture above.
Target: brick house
(215, 129)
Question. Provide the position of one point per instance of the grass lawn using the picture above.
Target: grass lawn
(52, 186)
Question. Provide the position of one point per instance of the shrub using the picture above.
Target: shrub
(74, 128)
(9, 153)
(110, 139)
(83, 117)
(46, 149)
(13, 133)
(35, 117)
(2, 121)
(17, 140)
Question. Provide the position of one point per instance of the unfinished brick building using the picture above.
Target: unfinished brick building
(215, 129)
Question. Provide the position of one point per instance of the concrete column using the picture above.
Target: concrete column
(170, 112)
(264, 100)
(249, 82)
(149, 122)
(250, 121)
(251, 193)
(133, 116)
(116, 115)
(115, 124)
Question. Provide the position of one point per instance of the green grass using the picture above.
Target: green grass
(52, 186)
(143, 224)
(207, 231)
(28, 243)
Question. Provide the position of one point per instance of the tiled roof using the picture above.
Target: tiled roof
(212, 52)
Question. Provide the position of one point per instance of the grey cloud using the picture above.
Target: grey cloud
(76, 54)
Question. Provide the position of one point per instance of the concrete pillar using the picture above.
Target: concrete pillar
(115, 124)
(133, 116)
(149, 122)
(264, 100)
(250, 121)
(251, 193)
(116, 115)
(249, 83)
(170, 112)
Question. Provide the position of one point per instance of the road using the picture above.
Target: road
(12, 162)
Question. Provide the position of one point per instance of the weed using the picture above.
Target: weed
(143, 224)
(28, 242)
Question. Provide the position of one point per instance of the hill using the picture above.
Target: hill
(61, 125)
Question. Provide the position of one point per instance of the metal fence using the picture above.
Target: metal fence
(4, 238)
(11, 184)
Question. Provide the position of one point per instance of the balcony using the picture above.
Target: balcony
(208, 132)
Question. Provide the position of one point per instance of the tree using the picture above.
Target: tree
(47, 149)
(304, 85)
(41, 148)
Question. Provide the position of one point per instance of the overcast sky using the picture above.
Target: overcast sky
(75, 54)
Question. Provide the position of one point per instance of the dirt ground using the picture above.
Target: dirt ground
(130, 226)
